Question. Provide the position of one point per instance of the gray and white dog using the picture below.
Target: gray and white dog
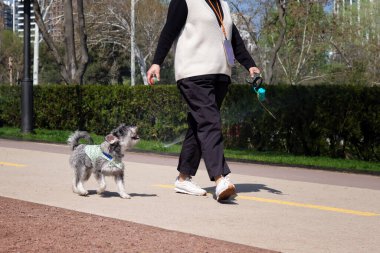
(101, 160)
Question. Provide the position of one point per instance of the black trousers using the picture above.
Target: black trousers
(204, 96)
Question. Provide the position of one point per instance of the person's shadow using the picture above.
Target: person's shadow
(241, 188)
(249, 188)
(256, 188)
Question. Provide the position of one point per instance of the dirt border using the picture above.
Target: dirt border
(30, 227)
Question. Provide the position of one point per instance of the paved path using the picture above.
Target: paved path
(279, 208)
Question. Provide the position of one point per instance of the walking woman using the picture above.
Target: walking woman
(206, 44)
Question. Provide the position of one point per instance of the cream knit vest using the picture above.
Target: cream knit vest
(199, 48)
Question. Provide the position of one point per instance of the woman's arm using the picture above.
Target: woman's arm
(240, 51)
(176, 19)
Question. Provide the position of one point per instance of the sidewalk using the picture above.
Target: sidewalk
(288, 212)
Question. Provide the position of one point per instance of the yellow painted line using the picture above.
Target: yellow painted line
(288, 203)
(324, 208)
(164, 186)
(12, 164)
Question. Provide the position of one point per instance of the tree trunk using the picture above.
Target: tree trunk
(70, 53)
(49, 42)
(142, 64)
(72, 68)
(83, 60)
(10, 64)
(133, 59)
(36, 54)
(281, 8)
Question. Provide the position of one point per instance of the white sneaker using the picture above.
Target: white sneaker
(225, 190)
(189, 187)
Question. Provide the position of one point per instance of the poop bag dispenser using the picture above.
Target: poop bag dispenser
(256, 81)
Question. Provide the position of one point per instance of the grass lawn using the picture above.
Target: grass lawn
(356, 166)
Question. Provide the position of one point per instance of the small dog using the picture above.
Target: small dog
(102, 160)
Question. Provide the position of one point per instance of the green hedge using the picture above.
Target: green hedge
(337, 121)
(158, 111)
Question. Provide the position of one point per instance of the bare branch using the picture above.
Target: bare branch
(49, 40)
(281, 9)
(83, 42)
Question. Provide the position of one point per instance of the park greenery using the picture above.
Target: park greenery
(339, 121)
(322, 163)
(294, 42)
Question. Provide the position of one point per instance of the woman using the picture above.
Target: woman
(204, 37)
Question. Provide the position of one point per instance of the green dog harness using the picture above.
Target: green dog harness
(94, 152)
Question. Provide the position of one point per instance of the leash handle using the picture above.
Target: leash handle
(256, 82)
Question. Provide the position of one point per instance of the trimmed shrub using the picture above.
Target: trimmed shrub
(337, 121)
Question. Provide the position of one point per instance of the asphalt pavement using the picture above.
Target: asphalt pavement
(279, 208)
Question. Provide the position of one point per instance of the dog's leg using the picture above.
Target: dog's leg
(81, 190)
(83, 174)
(120, 184)
(75, 183)
(76, 180)
(102, 182)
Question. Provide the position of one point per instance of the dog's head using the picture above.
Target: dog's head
(124, 136)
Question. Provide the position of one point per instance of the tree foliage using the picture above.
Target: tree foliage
(326, 41)
(110, 26)
(10, 57)
(294, 42)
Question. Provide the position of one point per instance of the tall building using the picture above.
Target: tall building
(18, 6)
(53, 19)
(5, 15)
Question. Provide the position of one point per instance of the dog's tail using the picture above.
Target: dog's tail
(74, 138)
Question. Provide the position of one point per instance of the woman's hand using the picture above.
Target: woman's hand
(253, 71)
(154, 71)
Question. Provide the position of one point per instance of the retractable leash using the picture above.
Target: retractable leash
(154, 80)
(256, 81)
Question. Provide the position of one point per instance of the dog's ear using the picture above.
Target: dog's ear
(111, 139)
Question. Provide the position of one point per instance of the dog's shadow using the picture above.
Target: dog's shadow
(108, 194)
(246, 188)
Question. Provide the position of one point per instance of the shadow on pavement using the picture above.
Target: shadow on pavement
(108, 194)
(142, 195)
(255, 188)
(240, 188)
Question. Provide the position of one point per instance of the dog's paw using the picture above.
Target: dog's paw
(83, 193)
(125, 196)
